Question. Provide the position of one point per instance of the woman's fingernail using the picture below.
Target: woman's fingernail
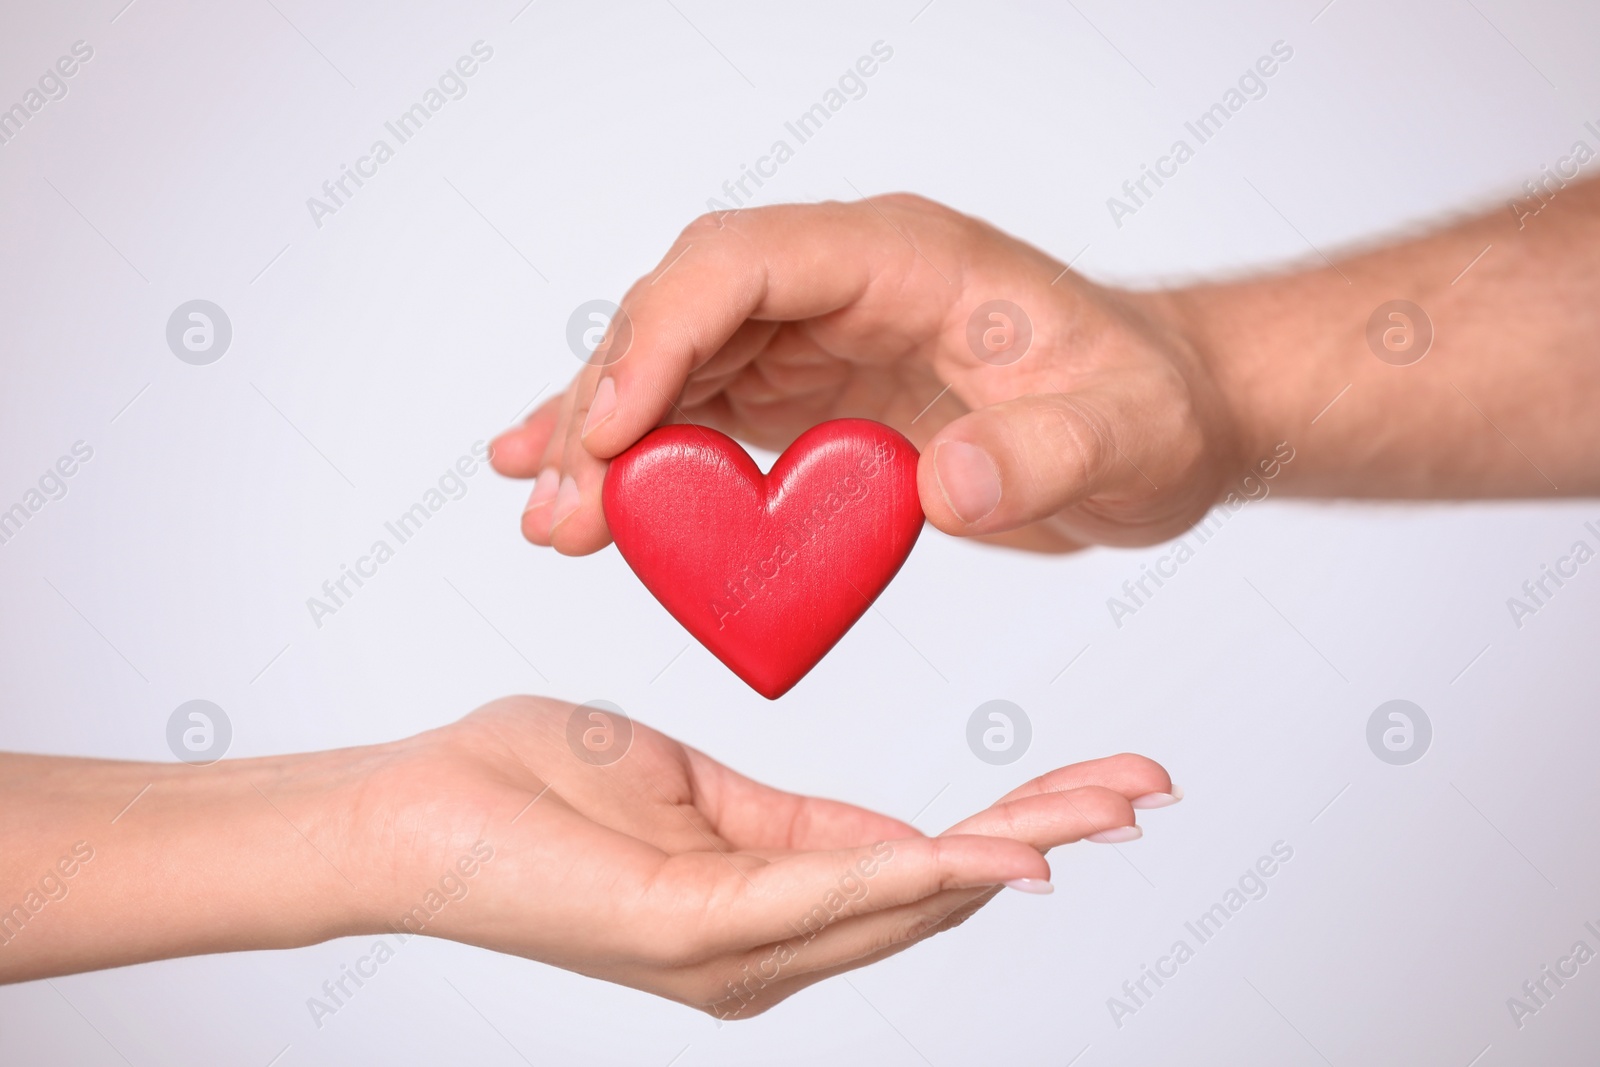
(1116, 835)
(566, 500)
(1037, 886)
(1158, 800)
(602, 407)
(968, 479)
(544, 489)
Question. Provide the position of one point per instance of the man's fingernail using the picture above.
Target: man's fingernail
(1116, 835)
(602, 407)
(1037, 886)
(544, 489)
(566, 500)
(968, 479)
(1158, 800)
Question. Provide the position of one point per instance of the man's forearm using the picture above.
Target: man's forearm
(1502, 404)
(106, 863)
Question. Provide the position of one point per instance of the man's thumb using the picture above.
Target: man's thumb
(1015, 463)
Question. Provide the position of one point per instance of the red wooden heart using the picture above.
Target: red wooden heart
(767, 571)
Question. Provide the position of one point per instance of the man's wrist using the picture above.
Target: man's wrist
(1221, 328)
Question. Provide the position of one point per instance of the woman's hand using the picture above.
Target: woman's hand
(665, 871)
(564, 834)
(1077, 414)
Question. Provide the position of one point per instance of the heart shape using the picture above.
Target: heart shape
(767, 571)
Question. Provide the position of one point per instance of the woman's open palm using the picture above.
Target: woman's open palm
(619, 853)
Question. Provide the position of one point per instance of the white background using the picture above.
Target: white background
(370, 354)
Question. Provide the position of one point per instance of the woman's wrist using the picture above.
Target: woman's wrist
(168, 860)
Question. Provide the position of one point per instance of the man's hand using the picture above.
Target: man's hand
(1084, 418)
(1082, 414)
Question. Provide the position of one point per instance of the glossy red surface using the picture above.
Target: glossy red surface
(767, 571)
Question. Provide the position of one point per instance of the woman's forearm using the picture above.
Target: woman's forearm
(1501, 403)
(104, 863)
